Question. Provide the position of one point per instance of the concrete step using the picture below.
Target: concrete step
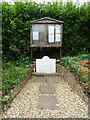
(45, 74)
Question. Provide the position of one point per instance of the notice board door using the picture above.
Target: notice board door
(39, 34)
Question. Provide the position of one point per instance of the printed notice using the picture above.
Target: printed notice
(51, 38)
(35, 35)
(58, 28)
(51, 29)
(57, 39)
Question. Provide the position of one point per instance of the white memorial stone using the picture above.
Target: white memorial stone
(46, 65)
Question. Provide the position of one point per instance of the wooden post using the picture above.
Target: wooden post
(60, 52)
(31, 54)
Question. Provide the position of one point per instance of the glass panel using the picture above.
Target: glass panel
(39, 32)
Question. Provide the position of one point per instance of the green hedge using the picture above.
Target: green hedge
(16, 26)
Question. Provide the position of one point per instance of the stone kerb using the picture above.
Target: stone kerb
(70, 79)
(46, 65)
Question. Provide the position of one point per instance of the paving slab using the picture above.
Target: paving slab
(53, 79)
(47, 102)
(47, 89)
(38, 79)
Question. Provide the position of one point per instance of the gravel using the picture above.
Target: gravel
(24, 104)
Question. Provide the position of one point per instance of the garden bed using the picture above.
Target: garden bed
(80, 66)
(14, 79)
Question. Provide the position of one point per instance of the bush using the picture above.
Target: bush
(72, 62)
(12, 76)
(23, 61)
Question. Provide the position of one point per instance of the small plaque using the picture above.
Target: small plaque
(46, 65)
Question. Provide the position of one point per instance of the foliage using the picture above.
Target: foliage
(16, 26)
(72, 62)
(12, 75)
(23, 61)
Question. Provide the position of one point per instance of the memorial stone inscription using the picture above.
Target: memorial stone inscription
(46, 65)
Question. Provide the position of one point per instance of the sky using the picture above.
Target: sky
(80, 1)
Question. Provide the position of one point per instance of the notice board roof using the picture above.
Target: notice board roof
(47, 20)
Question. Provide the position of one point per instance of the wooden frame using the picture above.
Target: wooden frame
(46, 21)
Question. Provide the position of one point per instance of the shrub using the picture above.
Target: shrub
(12, 77)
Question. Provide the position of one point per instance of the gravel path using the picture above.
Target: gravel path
(25, 105)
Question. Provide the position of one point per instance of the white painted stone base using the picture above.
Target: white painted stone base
(46, 65)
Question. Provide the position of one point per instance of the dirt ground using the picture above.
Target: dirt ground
(85, 66)
(85, 70)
